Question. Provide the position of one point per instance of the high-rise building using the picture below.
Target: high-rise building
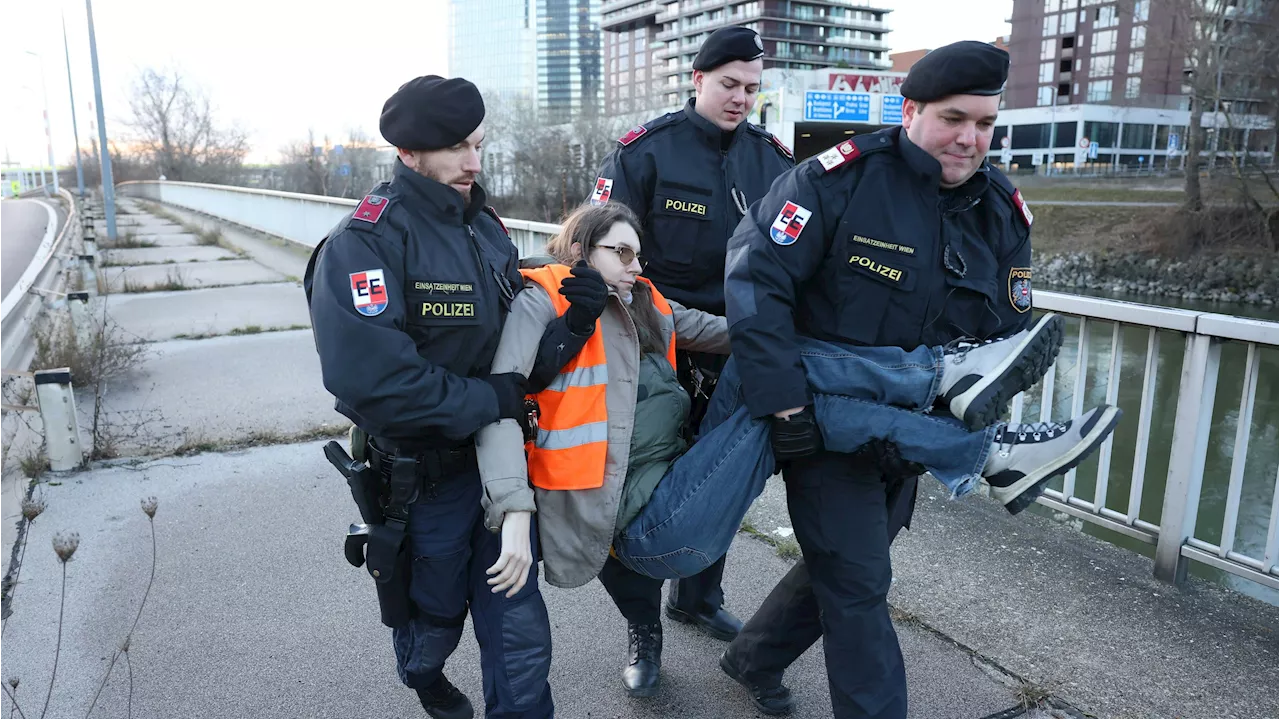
(1065, 52)
(544, 52)
(650, 44)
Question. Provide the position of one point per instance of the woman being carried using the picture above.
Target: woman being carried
(613, 476)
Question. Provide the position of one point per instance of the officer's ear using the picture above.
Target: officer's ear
(699, 77)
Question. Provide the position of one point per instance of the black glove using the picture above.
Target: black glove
(510, 389)
(587, 293)
(796, 436)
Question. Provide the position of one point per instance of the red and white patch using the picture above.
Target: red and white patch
(1023, 208)
(604, 188)
(839, 155)
(632, 136)
(370, 209)
(789, 223)
(369, 292)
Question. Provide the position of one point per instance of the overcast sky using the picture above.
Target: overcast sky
(281, 67)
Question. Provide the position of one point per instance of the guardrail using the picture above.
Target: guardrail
(304, 219)
(23, 305)
(1075, 379)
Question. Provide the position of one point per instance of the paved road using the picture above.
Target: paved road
(22, 227)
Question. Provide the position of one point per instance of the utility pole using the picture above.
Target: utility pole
(74, 130)
(48, 134)
(108, 185)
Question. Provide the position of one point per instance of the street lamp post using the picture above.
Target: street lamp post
(108, 185)
(48, 134)
(74, 129)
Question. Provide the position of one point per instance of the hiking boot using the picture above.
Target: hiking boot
(980, 378)
(1024, 457)
(644, 659)
(772, 699)
(442, 700)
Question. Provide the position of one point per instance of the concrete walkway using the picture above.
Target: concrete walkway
(255, 613)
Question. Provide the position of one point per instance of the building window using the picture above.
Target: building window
(1050, 6)
(1045, 97)
(641, 59)
(1050, 26)
(1102, 65)
(1103, 133)
(1069, 4)
(1135, 62)
(1132, 88)
(1046, 72)
(1068, 25)
(1068, 42)
(639, 42)
(1141, 10)
(1048, 49)
(1104, 42)
(1105, 17)
(1138, 37)
(1064, 89)
(1099, 91)
(1079, 63)
(1065, 65)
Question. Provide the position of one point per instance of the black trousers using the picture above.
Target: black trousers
(845, 515)
(638, 597)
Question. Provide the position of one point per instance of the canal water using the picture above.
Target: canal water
(1260, 462)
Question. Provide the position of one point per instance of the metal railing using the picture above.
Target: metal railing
(1165, 517)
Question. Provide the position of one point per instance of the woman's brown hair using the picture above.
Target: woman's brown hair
(587, 225)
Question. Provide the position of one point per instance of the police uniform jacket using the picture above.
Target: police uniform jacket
(690, 183)
(408, 295)
(861, 245)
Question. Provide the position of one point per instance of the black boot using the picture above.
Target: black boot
(720, 623)
(772, 699)
(442, 700)
(644, 659)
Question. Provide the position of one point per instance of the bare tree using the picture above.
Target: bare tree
(347, 169)
(172, 120)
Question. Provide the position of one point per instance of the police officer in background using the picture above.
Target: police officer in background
(690, 177)
(408, 295)
(919, 199)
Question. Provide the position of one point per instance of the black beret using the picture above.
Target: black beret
(431, 112)
(726, 45)
(967, 67)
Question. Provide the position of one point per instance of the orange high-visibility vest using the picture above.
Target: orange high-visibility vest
(573, 421)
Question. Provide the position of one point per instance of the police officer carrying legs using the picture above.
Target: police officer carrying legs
(408, 295)
(922, 201)
(690, 177)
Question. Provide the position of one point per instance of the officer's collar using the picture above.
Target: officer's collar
(928, 168)
(442, 199)
(708, 129)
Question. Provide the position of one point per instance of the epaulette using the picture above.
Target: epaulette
(372, 208)
(852, 149)
(640, 131)
(773, 140)
(494, 214)
(1002, 183)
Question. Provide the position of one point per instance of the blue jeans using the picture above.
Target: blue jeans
(860, 394)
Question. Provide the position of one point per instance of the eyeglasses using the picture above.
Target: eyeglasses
(626, 255)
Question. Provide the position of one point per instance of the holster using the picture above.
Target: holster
(698, 374)
(387, 557)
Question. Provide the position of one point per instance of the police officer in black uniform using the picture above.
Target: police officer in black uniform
(920, 199)
(408, 295)
(690, 177)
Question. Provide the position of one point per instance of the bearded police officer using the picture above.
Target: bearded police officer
(690, 177)
(408, 295)
(922, 201)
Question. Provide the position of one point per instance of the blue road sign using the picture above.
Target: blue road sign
(1093, 151)
(891, 110)
(344, 170)
(337, 149)
(837, 106)
(1173, 142)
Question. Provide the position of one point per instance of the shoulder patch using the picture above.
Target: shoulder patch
(839, 155)
(781, 147)
(636, 133)
(1023, 209)
(370, 209)
(494, 214)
